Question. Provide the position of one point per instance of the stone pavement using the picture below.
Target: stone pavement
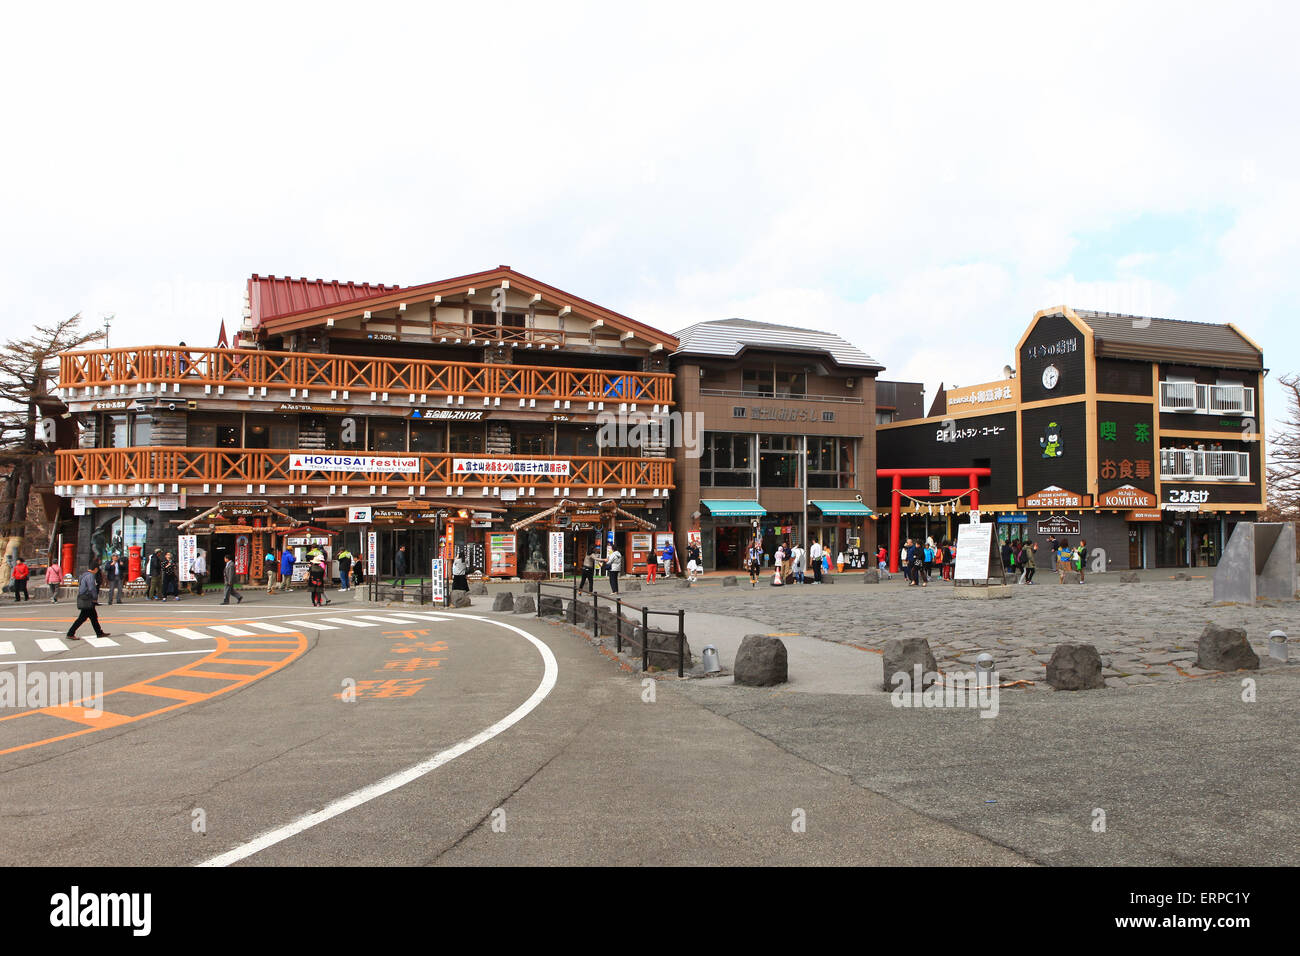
(1145, 632)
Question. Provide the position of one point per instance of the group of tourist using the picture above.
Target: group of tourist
(920, 559)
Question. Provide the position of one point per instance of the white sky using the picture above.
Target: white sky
(919, 178)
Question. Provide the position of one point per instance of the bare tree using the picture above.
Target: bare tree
(1284, 458)
(28, 367)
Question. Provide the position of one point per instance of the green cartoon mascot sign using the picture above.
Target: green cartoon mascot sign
(1051, 441)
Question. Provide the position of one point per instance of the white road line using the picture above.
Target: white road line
(108, 657)
(51, 644)
(314, 625)
(419, 617)
(232, 631)
(351, 622)
(403, 777)
(190, 635)
(144, 637)
(382, 620)
(273, 628)
(7, 647)
(100, 642)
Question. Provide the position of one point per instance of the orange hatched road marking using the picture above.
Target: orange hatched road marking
(288, 649)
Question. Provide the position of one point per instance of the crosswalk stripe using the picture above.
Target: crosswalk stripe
(273, 628)
(188, 634)
(144, 637)
(51, 644)
(314, 624)
(350, 622)
(232, 631)
(412, 615)
(100, 641)
(7, 647)
(382, 620)
(424, 617)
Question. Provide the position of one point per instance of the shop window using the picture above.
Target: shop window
(577, 440)
(347, 433)
(428, 437)
(215, 431)
(727, 461)
(757, 381)
(791, 384)
(467, 439)
(386, 434)
(141, 430)
(534, 441)
(778, 461)
(280, 431)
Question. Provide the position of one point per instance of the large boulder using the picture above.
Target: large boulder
(478, 587)
(1075, 667)
(730, 581)
(505, 601)
(1225, 649)
(525, 604)
(761, 661)
(902, 655)
(662, 649)
(460, 599)
(551, 605)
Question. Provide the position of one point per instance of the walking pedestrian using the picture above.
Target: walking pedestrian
(287, 561)
(693, 563)
(199, 569)
(668, 557)
(1081, 558)
(916, 558)
(87, 601)
(798, 563)
(345, 568)
(154, 572)
(270, 564)
(53, 580)
(228, 575)
(1027, 556)
(651, 564)
(1062, 557)
(316, 582)
(19, 576)
(588, 581)
(614, 563)
(815, 558)
(114, 574)
(459, 573)
(754, 564)
(399, 568)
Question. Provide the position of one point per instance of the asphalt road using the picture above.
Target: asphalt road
(258, 734)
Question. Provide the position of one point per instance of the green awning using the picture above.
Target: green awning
(731, 508)
(841, 508)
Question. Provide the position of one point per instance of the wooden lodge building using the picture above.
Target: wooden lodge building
(463, 407)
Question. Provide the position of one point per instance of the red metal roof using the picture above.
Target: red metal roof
(270, 298)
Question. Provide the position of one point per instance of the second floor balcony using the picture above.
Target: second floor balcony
(1189, 397)
(1188, 464)
(225, 471)
(236, 373)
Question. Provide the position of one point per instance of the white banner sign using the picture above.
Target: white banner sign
(372, 554)
(187, 549)
(973, 549)
(557, 552)
(438, 590)
(393, 464)
(508, 466)
(360, 514)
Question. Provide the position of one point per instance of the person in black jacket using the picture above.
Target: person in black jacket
(229, 577)
(154, 573)
(399, 568)
(87, 600)
(316, 582)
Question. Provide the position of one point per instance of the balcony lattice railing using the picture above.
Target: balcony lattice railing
(1187, 464)
(1207, 399)
(165, 368)
(230, 471)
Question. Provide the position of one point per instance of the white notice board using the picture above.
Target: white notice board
(974, 544)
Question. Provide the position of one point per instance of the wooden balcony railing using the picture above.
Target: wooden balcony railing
(269, 472)
(146, 368)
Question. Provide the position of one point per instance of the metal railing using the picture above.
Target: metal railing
(620, 620)
(1191, 464)
(1207, 399)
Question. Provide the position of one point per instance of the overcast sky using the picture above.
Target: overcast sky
(919, 180)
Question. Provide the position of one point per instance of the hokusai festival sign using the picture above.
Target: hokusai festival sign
(366, 464)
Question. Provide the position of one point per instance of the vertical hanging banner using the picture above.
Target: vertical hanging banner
(438, 587)
(372, 555)
(557, 552)
(241, 554)
(187, 549)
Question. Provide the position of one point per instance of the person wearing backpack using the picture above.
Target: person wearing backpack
(53, 579)
(316, 581)
(87, 601)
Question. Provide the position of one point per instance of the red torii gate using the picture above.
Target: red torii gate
(973, 475)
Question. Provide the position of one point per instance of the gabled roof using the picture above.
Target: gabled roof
(270, 298)
(1149, 339)
(728, 338)
(384, 297)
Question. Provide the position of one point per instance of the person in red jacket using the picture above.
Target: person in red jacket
(20, 574)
